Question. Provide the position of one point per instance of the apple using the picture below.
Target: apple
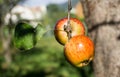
(77, 28)
(79, 50)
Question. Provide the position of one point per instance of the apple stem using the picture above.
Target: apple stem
(67, 27)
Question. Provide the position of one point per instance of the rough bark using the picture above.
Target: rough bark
(103, 20)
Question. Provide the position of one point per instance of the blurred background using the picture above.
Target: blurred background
(46, 59)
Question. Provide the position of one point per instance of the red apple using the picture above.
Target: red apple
(77, 28)
(79, 50)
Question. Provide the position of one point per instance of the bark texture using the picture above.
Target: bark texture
(103, 21)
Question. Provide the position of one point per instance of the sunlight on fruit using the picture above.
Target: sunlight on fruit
(77, 28)
(79, 50)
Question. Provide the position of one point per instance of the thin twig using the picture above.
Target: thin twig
(69, 9)
(68, 22)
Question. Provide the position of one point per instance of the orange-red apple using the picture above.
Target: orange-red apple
(77, 28)
(79, 50)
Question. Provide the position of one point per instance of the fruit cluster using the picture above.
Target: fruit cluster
(78, 47)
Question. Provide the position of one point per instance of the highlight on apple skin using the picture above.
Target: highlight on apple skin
(79, 50)
(77, 28)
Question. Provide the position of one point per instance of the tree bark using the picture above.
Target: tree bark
(103, 21)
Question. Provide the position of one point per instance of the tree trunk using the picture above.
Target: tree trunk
(103, 21)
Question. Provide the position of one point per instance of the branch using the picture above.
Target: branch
(67, 27)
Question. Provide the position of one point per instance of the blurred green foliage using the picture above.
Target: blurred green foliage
(55, 13)
(45, 60)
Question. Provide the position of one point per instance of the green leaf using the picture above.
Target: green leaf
(24, 36)
(40, 30)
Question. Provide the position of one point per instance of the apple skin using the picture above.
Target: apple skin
(77, 28)
(79, 50)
